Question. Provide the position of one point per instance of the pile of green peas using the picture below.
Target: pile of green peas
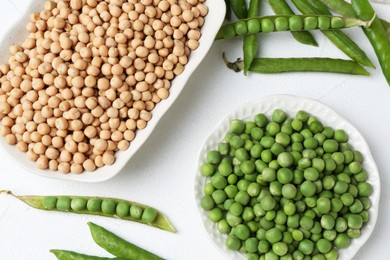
(286, 188)
(281, 23)
(100, 206)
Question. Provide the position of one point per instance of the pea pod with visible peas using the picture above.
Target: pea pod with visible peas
(107, 207)
(337, 37)
(280, 7)
(376, 34)
(118, 246)
(286, 23)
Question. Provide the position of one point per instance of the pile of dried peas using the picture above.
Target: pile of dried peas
(90, 73)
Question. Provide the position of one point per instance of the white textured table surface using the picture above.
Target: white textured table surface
(162, 172)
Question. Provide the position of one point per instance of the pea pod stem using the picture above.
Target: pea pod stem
(118, 246)
(337, 37)
(280, 7)
(376, 34)
(160, 222)
(70, 255)
(228, 31)
(280, 65)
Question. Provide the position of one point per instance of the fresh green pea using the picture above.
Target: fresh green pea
(261, 120)
(311, 174)
(228, 203)
(223, 226)
(365, 189)
(280, 248)
(308, 188)
(256, 150)
(215, 214)
(228, 32)
(135, 211)
(218, 181)
(208, 189)
(295, 23)
(241, 231)
(233, 220)
(233, 243)
(284, 175)
(94, 205)
(306, 222)
(267, 25)
(330, 146)
(219, 196)
(289, 209)
(207, 169)
(323, 205)
(283, 139)
(264, 246)
(257, 133)
(323, 22)
(63, 203)
(277, 149)
(254, 26)
(354, 221)
(237, 126)
(149, 215)
(240, 28)
(247, 167)
(78, 204)
(206, 202)
(273, 235)
(285, 159)
(223, 148)
(342, 241)
(268, 203)
(253, 189)
(279, 116)
(49, 202)
(340, 187)
(248, 214)
(281, 24)
(306, 246)
(327, 222)
(242, 197)
(355, 167)
(310, 23)
(273, 129)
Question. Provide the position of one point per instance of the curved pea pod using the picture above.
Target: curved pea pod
(107, 207)
(294, 23)
(118, 246)
(70, 255)
(337, 37)
(250, 41)
(376, 34)
(239, 8)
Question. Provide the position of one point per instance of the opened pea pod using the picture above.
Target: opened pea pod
(107, 207)
(293, 23)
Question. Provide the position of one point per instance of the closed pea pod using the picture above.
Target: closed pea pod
(69, 255)
(117, 246)
(239, 8)
(376, 34)
(250, 41)
(107, 207)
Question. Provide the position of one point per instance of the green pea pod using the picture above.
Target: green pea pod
(107, 207)
(323, 9)
(345, 9)
(239, 8)
(250, 41)
(280, 7)
(291, 23)
(281, 65)
(70, 255)
(117, 246)
(376, 34)
(337, 37)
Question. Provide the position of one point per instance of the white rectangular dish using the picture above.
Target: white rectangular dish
(213, 21)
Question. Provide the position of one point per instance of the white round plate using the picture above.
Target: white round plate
(213, 21)
(290, 104)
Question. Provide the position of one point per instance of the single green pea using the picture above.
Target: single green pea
(208, 189)
(253, 189)
(264, 246)
(358, 157)
(341, 224)
(355, 167)
(241, 231)
(295, 23)
(94, 205)
(327, 222)
(289, 209)
(273, 129)
(78, 204)
(268, 203)
(342, 241)
(306, 133)
(330, 234)
(254, 26)
(149, 215)
(308, 188)
(228, 203)
(281, 24)
(236, 142)
(323, 22)
(214, 157)
(108, 206)
(324, 245)
(237, 126)
(278, 116)
(340, 187)
(309, 153)
(310, 23)
(297, 138)
(257, 133)
(316, 127)
(233, 220)
(251, 245)
(242, 197)
(63, 203)
(233, 243)
(337, 204)
(347, 199)
(228, 32)
(306, 222)
(231, 191)
(273, 235)
(353, 232)
(223, 148)
(354, 221)
(248, 214)
(361, 176)
(207, 169)
(330, 146)
(323, 205)
(304, 163)
(289, 191)
(223, 226)
(218, 181)
(311, 174)
(280, 248)
(283, 139)
(241, 28)
(267, 25)
(215, 214)
(256, 150)
(306, 246)
(284, 175)
(261, 120)
(247, 167)
(135, 211)
(219, 196)
(318, 164)
(206, 202)
(49, 202)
